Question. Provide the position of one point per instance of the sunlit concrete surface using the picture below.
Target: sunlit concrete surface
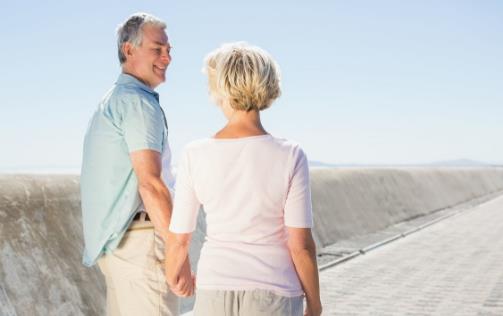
(41, 235)
(454, 267)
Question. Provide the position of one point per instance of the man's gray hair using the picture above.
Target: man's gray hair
(132, 30)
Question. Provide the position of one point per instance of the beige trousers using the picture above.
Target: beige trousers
(246, 303)
(134, 275)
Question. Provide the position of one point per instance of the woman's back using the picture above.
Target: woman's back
(250, 188)
(255, 191)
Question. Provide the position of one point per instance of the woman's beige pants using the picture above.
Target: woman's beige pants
(246, 303)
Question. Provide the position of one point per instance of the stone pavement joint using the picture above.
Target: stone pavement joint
(454, 267)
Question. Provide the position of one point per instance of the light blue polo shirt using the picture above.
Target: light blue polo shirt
(128, 118)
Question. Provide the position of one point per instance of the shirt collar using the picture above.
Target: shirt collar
(127, 79)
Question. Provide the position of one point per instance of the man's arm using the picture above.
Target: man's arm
(154, 193)
(158, 204)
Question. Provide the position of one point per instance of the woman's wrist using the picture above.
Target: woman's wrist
(314, 305)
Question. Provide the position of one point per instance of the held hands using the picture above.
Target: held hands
(183, 284)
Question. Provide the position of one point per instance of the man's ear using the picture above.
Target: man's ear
(127, 49)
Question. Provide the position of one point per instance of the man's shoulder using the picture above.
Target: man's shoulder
(121, 97)
(129, 93)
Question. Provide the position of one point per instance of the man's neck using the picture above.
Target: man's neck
(126, 70)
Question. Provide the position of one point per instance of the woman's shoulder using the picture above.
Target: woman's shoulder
(274, 143)
(287, 144)
(197, 144)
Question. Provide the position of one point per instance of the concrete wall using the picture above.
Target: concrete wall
(41, 237)
(40, 249)
(351, 202)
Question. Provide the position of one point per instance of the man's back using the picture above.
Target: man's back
(126, 201)
(128, 118)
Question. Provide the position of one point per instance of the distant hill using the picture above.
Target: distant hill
(40, 170)
(446, 163)
(460, 163)
(314, 163)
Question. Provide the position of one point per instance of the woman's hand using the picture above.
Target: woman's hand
(183, 284)
(177, 265)
(313, 309)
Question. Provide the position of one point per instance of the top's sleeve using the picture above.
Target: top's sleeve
(298, 207)
(186, 204)
(142, 124)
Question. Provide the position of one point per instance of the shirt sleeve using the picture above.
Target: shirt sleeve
(298, 207)
(142, 124)
(186, 204)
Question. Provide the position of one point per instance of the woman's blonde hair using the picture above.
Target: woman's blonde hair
(246, 76)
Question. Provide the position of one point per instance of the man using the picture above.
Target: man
(126, 178)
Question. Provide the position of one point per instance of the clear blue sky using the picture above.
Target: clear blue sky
(378, 82)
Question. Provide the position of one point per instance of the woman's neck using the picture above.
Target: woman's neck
(242, 124)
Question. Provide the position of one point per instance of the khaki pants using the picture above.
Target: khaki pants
(246, 303)
(134, 275)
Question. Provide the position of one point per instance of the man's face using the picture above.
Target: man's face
(149, 61)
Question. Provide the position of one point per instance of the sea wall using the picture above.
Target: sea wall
(350, 202)
(41, 237)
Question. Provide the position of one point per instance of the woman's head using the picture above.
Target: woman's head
(244, 76)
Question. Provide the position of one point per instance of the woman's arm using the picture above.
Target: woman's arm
(183, 223)
(303, 251)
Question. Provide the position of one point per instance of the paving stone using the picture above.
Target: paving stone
(454, 267)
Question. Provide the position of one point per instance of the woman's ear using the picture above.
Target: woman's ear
(215, 98)
(226, 108)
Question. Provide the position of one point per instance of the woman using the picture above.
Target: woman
(259, 256)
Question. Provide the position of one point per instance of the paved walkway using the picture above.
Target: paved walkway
(454, 267)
